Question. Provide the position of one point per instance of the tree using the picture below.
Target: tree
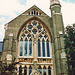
(70, 48)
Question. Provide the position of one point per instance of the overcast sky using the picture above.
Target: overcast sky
(9, 9)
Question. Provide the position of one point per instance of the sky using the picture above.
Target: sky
(9, 9)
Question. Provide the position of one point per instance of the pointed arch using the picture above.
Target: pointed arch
(25, 70)
(30, 70)
(40, 69)
(20, 70)
(44, 70)
(49, 70)
(34, 18)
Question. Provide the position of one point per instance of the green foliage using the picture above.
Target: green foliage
(70, 48)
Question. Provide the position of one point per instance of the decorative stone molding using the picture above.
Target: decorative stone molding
(54, 2)
(9, 57)
(63, 55)
(57, 13)
(11, 34)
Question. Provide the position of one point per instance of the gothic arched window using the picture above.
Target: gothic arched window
(25, 70)
(21, 47)
(33, 33)
(39, 49)
(40, 69)
(30, 70)
(20, 70)
(48, 50)
(49, 70)
(43, 47)
(44, 70)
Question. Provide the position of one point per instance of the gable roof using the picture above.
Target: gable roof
(34, 7)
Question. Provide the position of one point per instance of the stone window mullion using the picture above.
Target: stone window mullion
(41, 47)
(45, 49)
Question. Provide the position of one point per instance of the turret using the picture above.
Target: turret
(58, 40)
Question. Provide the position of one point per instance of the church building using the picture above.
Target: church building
(36, 41)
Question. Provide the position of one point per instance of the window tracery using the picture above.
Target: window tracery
(33, 32)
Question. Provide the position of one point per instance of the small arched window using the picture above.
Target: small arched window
(20, 70)
(29, 13)
(30, 70)
(25, 70)
(49, 70)
(40, 13)
(40, 69)
(44, 70)
(34, 12)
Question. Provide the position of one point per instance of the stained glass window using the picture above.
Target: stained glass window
(48, 51)
(34, 24)
(43, 47)
(39, 49)
(30, 27)
(28, 35)
(40, 36)
(26, 32)
(30, 47)
(21, 47)
(39, 27)
(23, 35)
(25, 49)
(34, 31)
(45, 36)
